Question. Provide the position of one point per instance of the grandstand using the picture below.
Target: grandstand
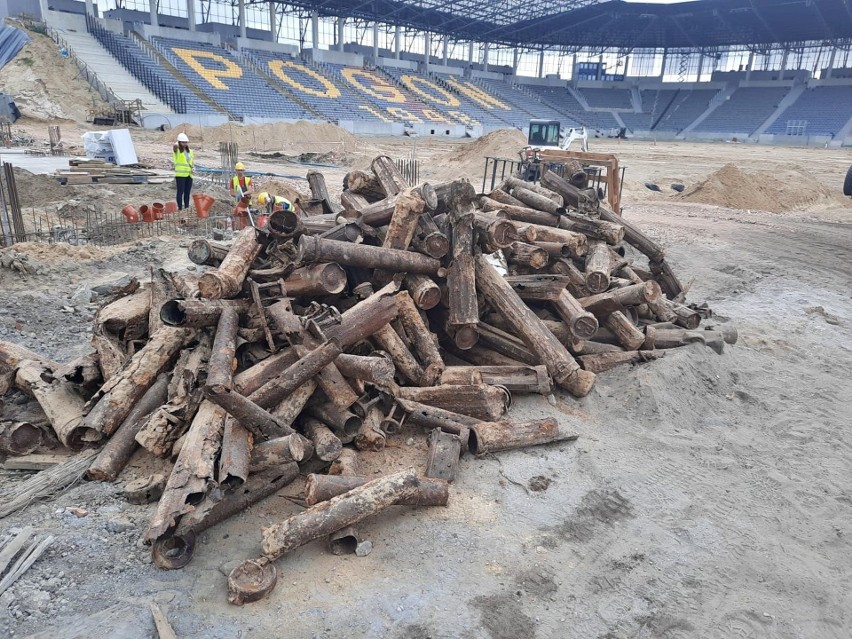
(783, 74)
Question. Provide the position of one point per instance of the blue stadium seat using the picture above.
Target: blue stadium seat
(155, 78)
(563, 101)
(324, 92)
(684, 109)
(744, 111)
(822, 110)
(226, 81)
(607, 98)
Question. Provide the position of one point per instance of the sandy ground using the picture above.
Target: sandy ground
(707, 495)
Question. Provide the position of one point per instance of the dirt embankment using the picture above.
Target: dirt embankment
(776, 191)
(47, 86)
(282, 137)
(468, 160)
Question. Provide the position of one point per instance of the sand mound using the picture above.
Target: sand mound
(38, 190)
(47, 86)
(292, 139)
(283, 187)
(468, 160)
(51, 253)
(776, 191)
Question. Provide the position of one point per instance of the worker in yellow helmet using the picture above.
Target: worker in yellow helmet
(240, 184)
(274, 202)
(183, 159)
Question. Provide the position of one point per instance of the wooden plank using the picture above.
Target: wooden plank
(36, 461)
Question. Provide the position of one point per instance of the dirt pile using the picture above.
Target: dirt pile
(468, 160)
(46, 85)
(776, 191)
(37, 189)
(291, 139)
(284, 188)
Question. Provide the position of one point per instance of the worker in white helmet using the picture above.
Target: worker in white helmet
(184, 160)
(240, 184)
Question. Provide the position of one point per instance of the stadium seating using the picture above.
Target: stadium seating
(684, 109)
(607, 98)
(381, 97)
(744, 111)
(563, 101)
(460, 100)
(327, 94)
(524, 107)
(824, 110)
(226, 81)
(155, 78)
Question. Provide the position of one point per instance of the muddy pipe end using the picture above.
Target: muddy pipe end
(174, 551)
(251, 581)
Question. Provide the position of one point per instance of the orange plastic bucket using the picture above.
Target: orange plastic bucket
(159, 210)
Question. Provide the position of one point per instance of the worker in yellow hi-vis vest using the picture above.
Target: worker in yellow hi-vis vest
(184, 160)
(241, 183)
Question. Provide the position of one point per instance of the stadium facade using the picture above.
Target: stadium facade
(757, 70)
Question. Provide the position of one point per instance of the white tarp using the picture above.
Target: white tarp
(114, 146)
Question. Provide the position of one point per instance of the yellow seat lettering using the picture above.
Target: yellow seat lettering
(213, 76)
(328, 91)
(403, 114)
(478, 95)
(428, 90)
(435, 116)
(372, 85)
(375, 112)
(464, 118)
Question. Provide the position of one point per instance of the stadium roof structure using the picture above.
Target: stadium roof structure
(589, 24)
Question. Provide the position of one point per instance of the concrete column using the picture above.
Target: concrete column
(90, 8)
(43, 9)
(241, 6)
(663, 68)
(750, 65)
(315, 29)
(190, 14)
(470, 53)
(784, 63)
(375, 41)
(152, 6)
(515, 57)
(397, 44)
(830, 63)
(626, 65)
(485, 57)
(446, 50)
(427, 50)
(701, 66)
(541, 64)
(273, 24)
(599, 74)
(341, 21)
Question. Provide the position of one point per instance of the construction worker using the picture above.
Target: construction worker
(274, 202)
(240, 183)
(184, 160)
